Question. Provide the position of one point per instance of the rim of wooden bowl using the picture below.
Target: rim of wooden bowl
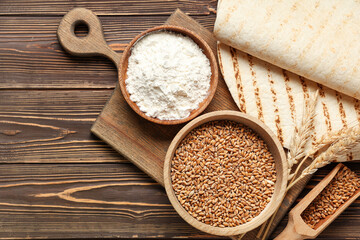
(275, 148)
(206, 50)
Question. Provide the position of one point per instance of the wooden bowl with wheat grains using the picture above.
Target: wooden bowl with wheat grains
(238, 189)
(206, 50)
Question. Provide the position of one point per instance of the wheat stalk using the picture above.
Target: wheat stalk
(337, 144)
(339, 147)
(300, 138)
(324, 142)
(302, 134)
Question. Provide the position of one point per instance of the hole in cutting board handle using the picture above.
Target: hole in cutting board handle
(81, 29)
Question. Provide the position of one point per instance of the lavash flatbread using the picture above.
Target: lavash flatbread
(277, 97)
(315, 39)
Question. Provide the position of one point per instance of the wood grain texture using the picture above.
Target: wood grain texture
(85, 201)
(31, 56)
(106, 7)
(59, 201)
(52, 127)
(92, 44)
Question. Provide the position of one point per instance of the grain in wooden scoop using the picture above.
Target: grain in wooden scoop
(339, 190)
(223, 174)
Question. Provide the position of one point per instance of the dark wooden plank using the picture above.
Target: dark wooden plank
(85, 201)
(31, 57)
(59, 201)
(106, 7)
(30, 44)
(52, 126)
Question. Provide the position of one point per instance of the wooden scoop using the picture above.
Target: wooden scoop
(296, 228)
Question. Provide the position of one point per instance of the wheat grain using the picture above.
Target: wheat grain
(223, 174)
(336, 193)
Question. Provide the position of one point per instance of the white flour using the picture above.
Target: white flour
(168, 75)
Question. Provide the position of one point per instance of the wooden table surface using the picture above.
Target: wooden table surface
(59, 181)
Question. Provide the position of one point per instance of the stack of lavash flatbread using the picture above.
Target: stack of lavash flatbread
(269, 49)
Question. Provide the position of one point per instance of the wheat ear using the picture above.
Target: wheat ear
(338, 148)
(302, 133)
(324, 142)
(327, 139)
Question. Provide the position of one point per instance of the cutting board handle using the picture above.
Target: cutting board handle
(93, 44)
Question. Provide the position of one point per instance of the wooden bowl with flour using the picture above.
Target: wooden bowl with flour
(94, 44)
(206, 50)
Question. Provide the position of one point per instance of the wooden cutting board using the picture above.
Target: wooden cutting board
(145, 143)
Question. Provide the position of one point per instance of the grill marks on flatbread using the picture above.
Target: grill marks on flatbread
(324, 107)
(279, 130)
(291, 98)
(341, 109)
(323, 24)
(304, 87)
(357, 108)
(315, 39)
(277, 97)
(239, 85)
(307, 96)
(256, 89)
